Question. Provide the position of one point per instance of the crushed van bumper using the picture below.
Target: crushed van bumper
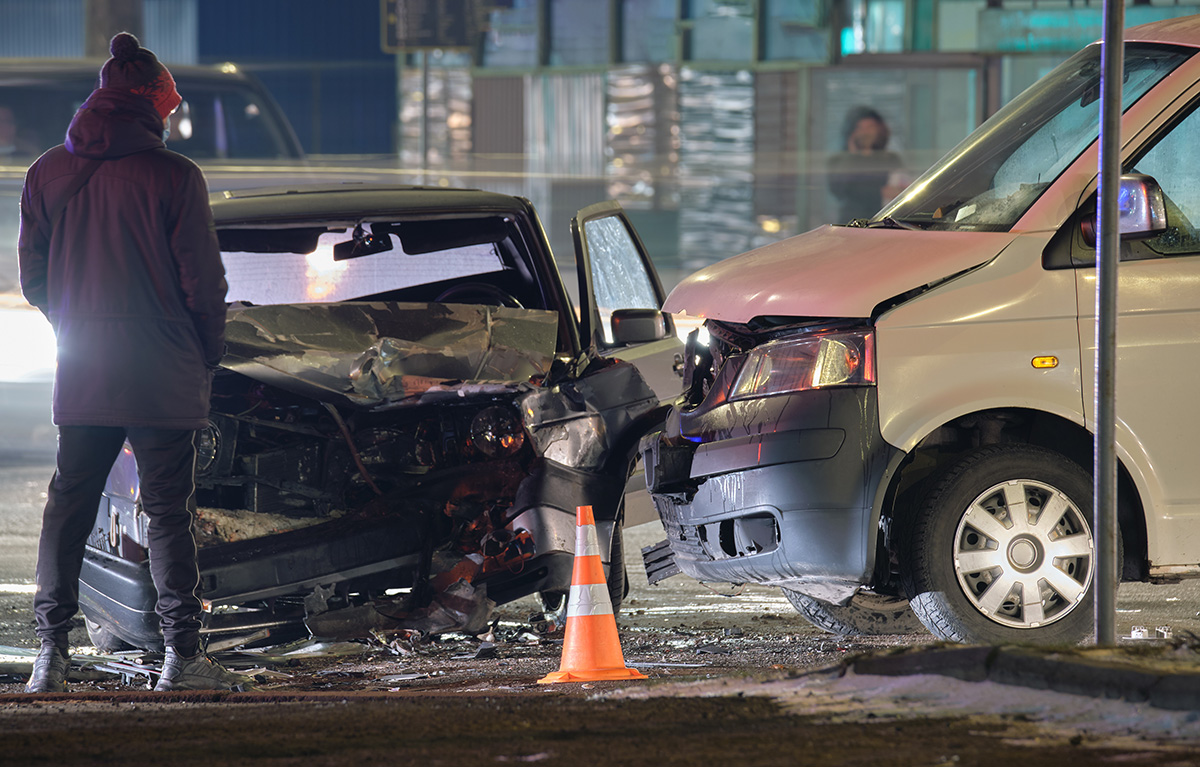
(790, 504)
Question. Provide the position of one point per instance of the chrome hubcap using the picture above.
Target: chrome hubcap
(1023, 554)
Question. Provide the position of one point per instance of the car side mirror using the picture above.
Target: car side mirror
(1141, 210)
(640, 326)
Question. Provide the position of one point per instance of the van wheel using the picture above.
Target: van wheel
(1002, 551)
(868, 614)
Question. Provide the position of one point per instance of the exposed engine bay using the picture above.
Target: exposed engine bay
(362, 480)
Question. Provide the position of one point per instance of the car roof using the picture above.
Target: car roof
(355, 200)
(15, 69)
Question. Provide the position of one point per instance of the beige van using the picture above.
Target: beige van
(899, 413)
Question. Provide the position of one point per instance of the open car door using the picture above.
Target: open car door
(620, 299)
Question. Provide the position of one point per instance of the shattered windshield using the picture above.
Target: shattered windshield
(384, 312)
(1000, 170)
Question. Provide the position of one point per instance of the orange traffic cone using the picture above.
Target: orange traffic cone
(591, 648)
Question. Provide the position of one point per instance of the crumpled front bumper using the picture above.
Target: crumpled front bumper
(783, 490)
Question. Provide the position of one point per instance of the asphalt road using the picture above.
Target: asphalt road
(740, 674)
(677, 603)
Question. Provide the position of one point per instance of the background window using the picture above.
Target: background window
(511, 39)
(721, 30)
(579, 32)
(875, 26)
(648, 30)
(790, 31)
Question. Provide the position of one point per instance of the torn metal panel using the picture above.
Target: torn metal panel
(659, 561)
(571, 424)
(462, 606)
(375, 353)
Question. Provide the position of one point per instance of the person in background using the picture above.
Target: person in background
(118, 249)
(864, 176)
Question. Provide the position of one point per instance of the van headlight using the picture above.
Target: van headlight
(813, 361)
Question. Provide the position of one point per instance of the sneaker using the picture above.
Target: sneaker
(199, 672)
(49, 670)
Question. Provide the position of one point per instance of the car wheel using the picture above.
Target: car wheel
(618, 579)
(103, 639)
(1002, 550)
(555, 601)
(867, 614)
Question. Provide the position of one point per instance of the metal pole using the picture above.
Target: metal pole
(1107, 257)
(424, 113)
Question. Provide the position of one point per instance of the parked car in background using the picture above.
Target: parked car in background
(226, 114)
(901, 413)
(409, 413)
(228, 123)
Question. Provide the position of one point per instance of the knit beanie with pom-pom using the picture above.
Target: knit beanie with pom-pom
(136, 70)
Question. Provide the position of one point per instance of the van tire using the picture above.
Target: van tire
(868, 614)
(967, 565)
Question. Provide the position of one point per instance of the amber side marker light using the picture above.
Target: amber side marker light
(1045, 363)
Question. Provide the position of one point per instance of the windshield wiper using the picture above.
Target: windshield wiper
(887, 222)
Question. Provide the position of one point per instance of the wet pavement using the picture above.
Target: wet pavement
(742, 657)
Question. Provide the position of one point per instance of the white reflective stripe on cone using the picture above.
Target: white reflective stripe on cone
(589, 599)
(586, 544)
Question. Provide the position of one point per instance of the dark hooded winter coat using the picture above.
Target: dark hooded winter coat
(131, 275)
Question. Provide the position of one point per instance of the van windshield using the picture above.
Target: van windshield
(990, 179)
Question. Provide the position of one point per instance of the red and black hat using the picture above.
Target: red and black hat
(134, 69)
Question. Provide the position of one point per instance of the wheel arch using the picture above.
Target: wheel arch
(944, 446)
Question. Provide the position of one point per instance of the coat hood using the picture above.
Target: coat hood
(113, 123)
(832, 271)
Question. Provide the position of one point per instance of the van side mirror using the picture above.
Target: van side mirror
(641, 326)
(1141, 210)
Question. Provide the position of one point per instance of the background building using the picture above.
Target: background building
(712, 121)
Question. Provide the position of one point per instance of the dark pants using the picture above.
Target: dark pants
(166, 460)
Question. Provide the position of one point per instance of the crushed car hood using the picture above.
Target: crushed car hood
(832, 271)
(373, 354)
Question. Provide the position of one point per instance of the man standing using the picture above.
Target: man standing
(119, 251)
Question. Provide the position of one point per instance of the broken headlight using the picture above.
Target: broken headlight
(813, 361)
(497, 432)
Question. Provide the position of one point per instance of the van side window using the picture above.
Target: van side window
(1171, 162)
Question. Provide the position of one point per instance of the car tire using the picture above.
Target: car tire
(103, 639)
(618, 580)
(969, 561)
(867, 614)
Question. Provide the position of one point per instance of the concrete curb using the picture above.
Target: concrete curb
(1099, 673)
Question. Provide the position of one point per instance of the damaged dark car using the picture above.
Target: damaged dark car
(409, 412)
